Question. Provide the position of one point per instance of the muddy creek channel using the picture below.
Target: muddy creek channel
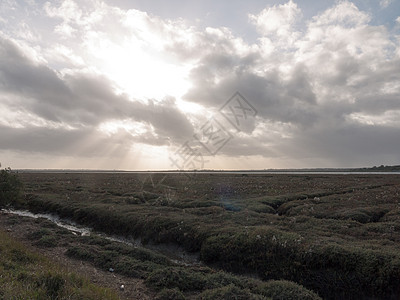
(175, 253)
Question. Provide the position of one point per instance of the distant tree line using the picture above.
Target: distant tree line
(383, 168)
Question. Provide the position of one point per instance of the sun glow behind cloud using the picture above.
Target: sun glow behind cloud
(130, 50)
(141, 75)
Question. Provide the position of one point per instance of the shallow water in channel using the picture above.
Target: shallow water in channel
(174, 252)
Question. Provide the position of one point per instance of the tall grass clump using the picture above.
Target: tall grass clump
(25, 274)
(10, 188)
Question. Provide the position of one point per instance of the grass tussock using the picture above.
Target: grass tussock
(168, 279)
(10, 188)
(29, 275)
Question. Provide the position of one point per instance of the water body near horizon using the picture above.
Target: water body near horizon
(214, 172)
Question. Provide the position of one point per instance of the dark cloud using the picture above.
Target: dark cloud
(79, 100)
(291, 100)
(345, 145)
(316, 88)
(86, 142)
(45, 140)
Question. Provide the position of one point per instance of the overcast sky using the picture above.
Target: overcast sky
(145, 85)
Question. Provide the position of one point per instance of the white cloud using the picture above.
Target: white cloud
(60, 54)
(25, 33)
(278, 22)
(129, 46)
(68, 11)
(388, 118)
(385, 3)
(277, 19)
(345, 14)
(8, 5)
(343, 50)
(65, 30)
(340, 74)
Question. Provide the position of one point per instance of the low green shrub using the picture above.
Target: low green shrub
(362, 215)
(47, 241)
(263, 250)
(221, 279)
(229, 292)
(20, 256)
(81, 253)
(285, 290)
(10, 188)
(138, 253)
(53, 284)
(170, 294)
(177, 277)
(133, 267)
(137, 263)
(36, 235)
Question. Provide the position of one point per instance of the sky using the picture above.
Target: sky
(160, 85)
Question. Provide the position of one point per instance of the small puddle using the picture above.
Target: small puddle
(175, 253)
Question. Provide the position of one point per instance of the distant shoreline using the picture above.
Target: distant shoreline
(280, 171)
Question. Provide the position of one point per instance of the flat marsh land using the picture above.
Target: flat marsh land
(257, 236)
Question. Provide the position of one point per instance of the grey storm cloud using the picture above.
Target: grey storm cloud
(84, 141)
(79, 100)
(344, 145)
(318, 97)
(285, 101)
(39, 139)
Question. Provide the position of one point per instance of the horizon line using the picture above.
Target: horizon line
(343, 169)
